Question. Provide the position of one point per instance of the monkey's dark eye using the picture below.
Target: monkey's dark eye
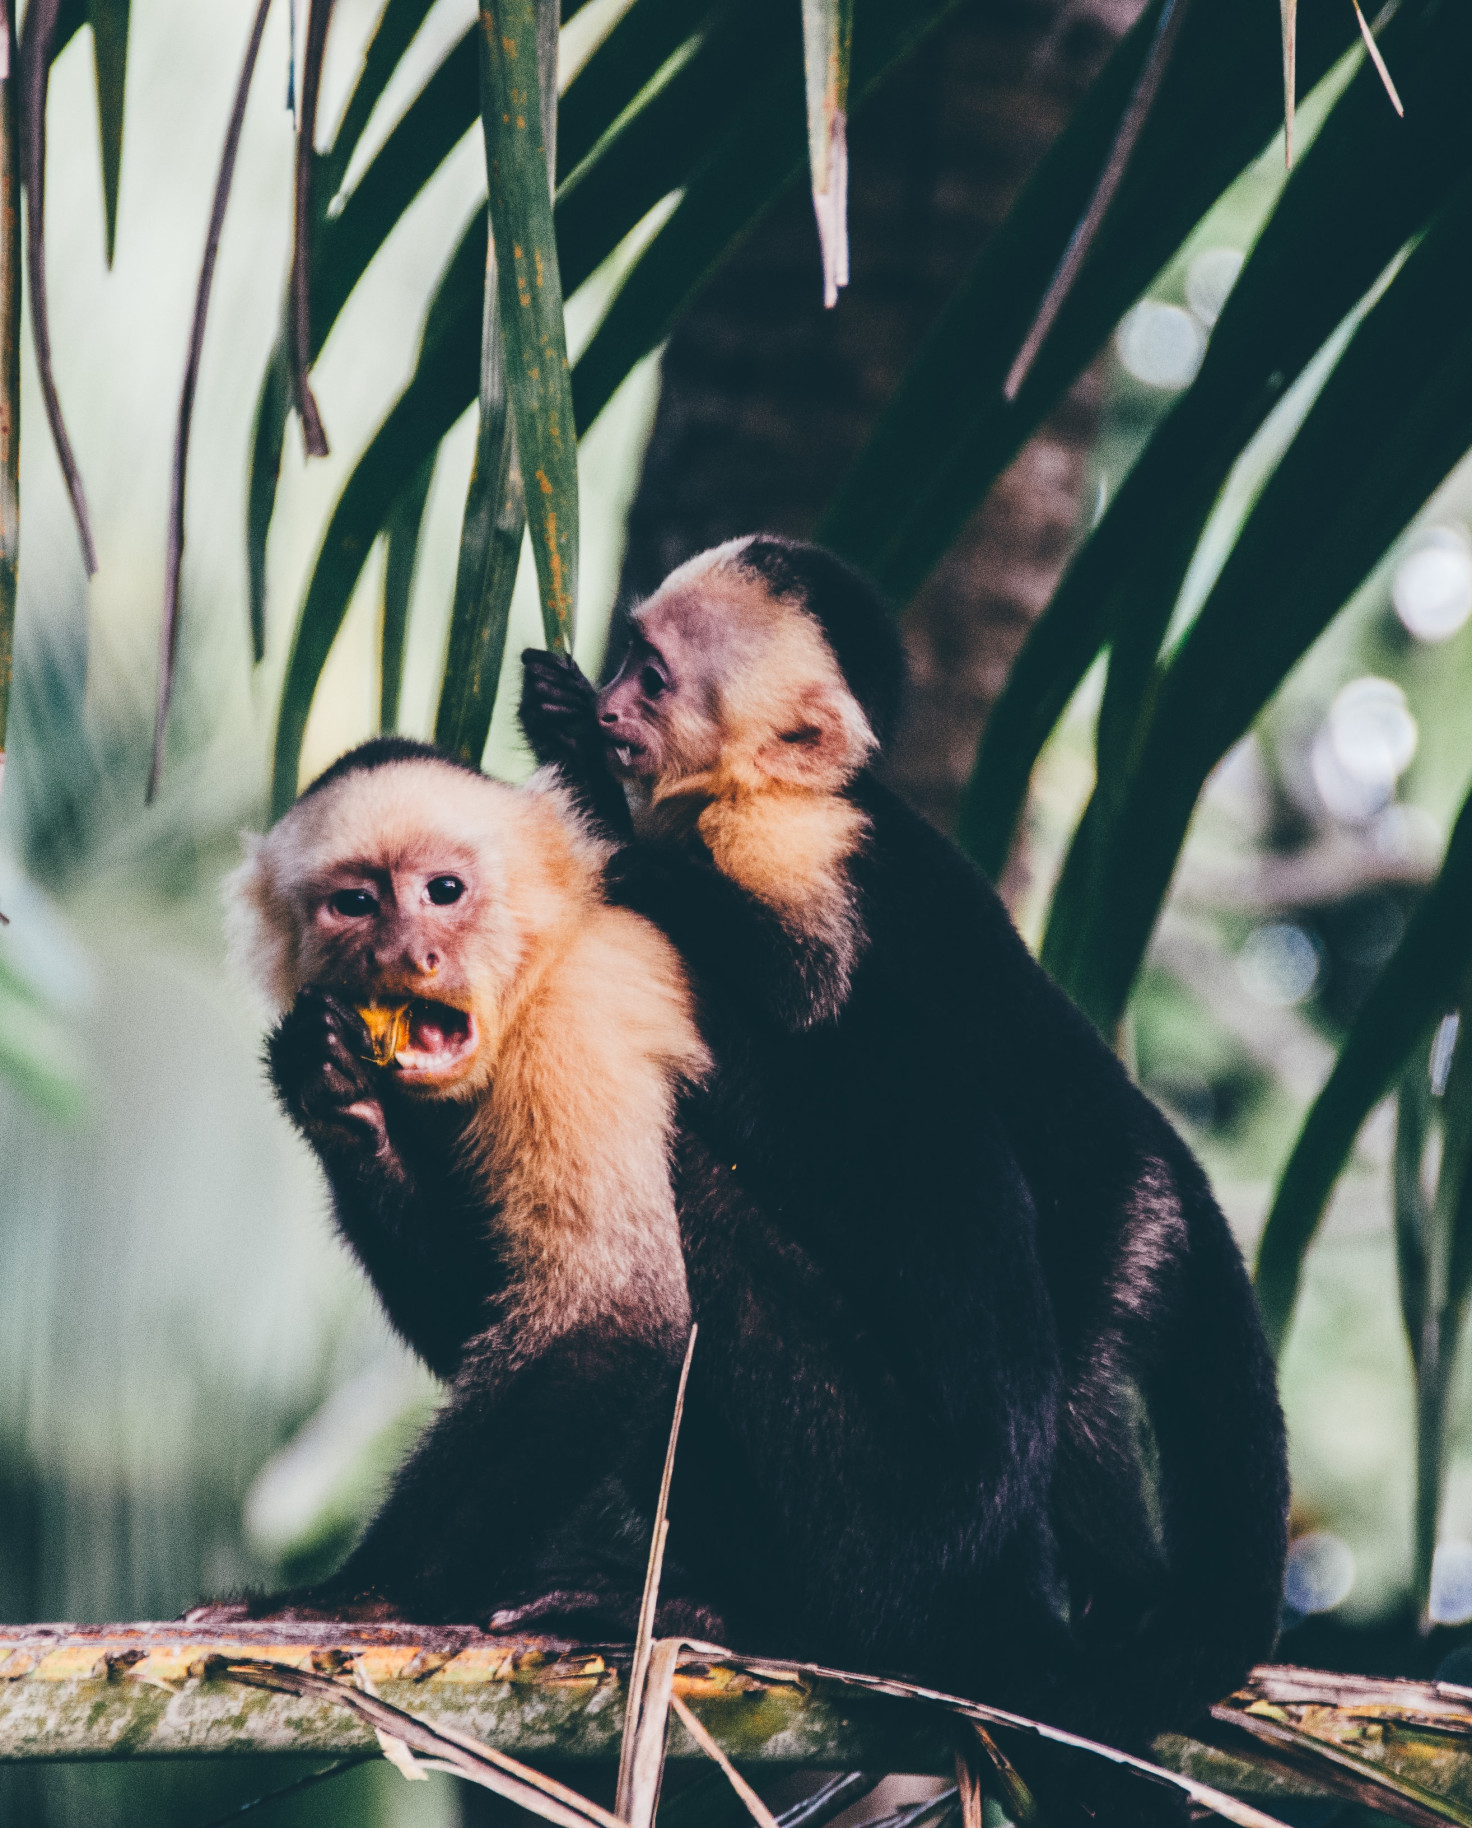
(443, 890)
(354, 902)
(651, 680)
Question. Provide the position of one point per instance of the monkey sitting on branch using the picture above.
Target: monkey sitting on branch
(900, 1083)
(491, 1065)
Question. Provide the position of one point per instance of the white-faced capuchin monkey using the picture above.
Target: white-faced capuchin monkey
(900, 1086)
(485, 1057)
(489, 1063)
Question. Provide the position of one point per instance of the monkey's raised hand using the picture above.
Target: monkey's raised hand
(325, 1083)
(559, 719)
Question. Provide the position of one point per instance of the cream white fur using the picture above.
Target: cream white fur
(584, 1013)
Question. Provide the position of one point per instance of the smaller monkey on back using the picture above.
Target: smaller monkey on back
(900, 1085)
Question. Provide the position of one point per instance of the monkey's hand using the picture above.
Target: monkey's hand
(327, 1085)
(559, 719)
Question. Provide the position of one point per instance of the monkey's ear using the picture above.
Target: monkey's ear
(260, 927)
(820, 742)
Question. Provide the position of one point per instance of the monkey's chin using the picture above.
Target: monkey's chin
(440, 1048)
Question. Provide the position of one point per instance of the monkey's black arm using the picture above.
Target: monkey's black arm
(528, 1432)
(558, 714)
(412, 1220)
(732, 942)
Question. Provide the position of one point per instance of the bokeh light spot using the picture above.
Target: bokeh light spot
(1432, 586)
(1161, 345)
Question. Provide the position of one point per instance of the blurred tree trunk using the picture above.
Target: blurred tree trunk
(766, 397)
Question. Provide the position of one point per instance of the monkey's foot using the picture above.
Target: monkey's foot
(571, 1613)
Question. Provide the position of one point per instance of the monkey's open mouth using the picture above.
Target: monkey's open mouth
(626, 755)
(420, 1038)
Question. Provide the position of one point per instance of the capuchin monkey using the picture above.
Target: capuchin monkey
(491, 1064)
(873, 1016)
(485, 1058)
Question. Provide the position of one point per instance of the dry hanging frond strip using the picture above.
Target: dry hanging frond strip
(1082, 239)
(1288, 10)
(1379, 61)
(649, 1601)
(453, 1752)
(313, 436)
(174, 556)
(35, 54)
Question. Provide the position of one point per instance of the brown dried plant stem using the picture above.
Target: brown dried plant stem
(10, 310)
(40, 34)
(1082, 239)
(314, 437)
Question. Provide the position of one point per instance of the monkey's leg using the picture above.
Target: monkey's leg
(516, 1450)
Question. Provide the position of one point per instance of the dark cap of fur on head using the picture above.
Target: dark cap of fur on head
(379, 752)
(855, 619)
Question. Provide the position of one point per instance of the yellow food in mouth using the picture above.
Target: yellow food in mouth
(388, 1029)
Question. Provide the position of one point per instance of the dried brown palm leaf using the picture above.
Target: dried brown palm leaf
(442, 1749)
(644, 1636)
(313, 436)
(1343, 1773)
(1379, 61)
(1137, 110)
(760, 1813)
(35, 54)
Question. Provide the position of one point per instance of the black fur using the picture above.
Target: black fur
(910, 1148)
(854, 617)
(378, 752)
(869, 1433)
(539, 1471)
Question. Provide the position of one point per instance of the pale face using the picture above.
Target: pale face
(658, 714)
(720, 674)
(399, 932)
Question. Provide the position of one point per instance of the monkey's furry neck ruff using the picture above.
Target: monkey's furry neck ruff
(583, 1012)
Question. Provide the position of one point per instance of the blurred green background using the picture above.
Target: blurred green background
(196, 1391)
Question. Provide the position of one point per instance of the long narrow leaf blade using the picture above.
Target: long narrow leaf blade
(442, 386)
(948, 433)
(657, 145)
(36, 54)
(109, 22)
(758, 156)
(392, 36)
(399, 563)
(490, 552)
(1391, 421)
(1409, 995)
(10, 310)
(644, 39)
(519, 38)
(1368, 184)
(827, 41)
(174, 556)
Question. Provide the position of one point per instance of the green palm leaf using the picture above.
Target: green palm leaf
(1368, 184)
